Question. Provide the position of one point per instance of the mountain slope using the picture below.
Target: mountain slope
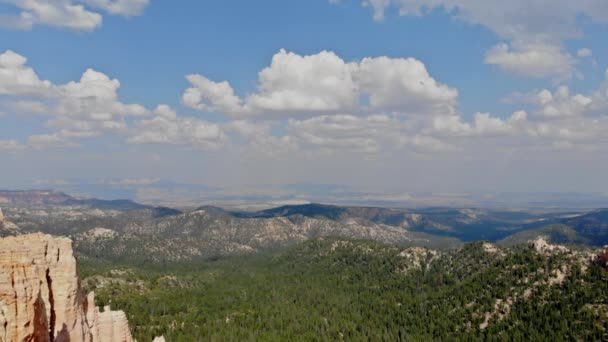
(465, 224)
(309, 210)
(592, 226)
(124, 229)
(556, 233)
(333, 289)
(388, 216)
(33, 197)
(106, 204)
(204, 234)
(161, 234)
(586, 229)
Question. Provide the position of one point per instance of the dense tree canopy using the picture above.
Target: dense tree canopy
(327, 290)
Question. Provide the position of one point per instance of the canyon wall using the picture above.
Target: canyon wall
(41, 298)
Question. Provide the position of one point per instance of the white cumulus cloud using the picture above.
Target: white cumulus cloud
(534, 29)
(79, 109)
(561, 103)
(77, 15)
(536, 60)
(211, 96)
(324, 84)
(16, 78)
(166, 127)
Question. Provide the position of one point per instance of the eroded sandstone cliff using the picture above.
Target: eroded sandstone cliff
(41, 298)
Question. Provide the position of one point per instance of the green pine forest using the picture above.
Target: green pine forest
(334, 290)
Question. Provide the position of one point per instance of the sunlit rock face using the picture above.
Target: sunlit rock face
(541, 246)
(41, 298)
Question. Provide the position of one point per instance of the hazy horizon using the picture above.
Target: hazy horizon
(251, 199)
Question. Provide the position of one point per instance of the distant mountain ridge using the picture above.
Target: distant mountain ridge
(52, 197)
(143, 234)
(467, 224)
(309, 210)
(120, 204)
(586, 229)
(33, 197)
(126, 229)
(592, 226)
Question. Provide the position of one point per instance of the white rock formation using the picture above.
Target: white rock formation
(41, 298)
(417, 258)
(96, 234)
(490, 248)
(541, 246)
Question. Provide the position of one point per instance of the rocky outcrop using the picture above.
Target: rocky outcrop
(417, 259)
(541, 246)
(490, 248)
(96, 234)
(41, 298)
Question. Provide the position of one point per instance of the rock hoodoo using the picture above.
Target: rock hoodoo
(41, 298)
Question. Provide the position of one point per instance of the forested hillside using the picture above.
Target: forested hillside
(328, 289)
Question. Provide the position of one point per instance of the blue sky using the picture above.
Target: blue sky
(233, 40)
(417, 96)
